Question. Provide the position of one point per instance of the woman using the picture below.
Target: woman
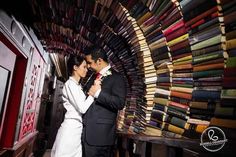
(68, 140)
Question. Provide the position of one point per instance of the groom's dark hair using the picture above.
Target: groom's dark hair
(96, 53)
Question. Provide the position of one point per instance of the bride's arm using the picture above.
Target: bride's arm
(78, 98)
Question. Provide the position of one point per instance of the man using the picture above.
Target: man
(100, 120)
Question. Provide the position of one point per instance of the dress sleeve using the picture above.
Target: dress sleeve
(78, 98)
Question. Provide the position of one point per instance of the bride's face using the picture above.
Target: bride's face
(82, 69)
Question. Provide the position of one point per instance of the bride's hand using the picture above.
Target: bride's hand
(97, 82)
(94, 89)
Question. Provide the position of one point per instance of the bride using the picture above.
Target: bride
(68, 139)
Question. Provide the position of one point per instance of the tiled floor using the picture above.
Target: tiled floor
(47, 153)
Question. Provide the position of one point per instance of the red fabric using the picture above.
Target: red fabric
(98, 75)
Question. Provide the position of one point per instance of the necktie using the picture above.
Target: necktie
(98, 75)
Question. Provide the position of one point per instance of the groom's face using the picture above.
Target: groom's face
(92, 64)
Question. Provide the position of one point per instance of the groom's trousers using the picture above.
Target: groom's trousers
(97, 151)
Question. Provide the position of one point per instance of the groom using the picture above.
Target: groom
(100, 119)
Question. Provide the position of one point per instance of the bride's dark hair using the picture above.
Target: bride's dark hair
(74, 60)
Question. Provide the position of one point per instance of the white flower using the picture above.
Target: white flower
(108, 72)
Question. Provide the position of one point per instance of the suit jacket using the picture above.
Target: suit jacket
(100, 119)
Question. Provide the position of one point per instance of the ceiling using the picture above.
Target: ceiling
(69, 26)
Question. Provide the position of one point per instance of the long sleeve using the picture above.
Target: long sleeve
(76, 97)
(116, 99)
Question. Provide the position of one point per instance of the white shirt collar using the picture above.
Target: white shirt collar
(105, 69)
(74, 80)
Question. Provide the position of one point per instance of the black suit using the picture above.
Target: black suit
(100, 119)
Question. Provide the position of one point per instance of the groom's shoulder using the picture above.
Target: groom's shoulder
(116, 73)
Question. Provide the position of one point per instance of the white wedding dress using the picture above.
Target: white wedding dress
(68, 139)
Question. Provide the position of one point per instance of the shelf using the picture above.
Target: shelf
(147, 145)
(170, 141)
